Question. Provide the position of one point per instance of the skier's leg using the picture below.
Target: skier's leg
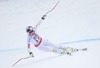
(49, 47)
(47, 43)
(55, 48)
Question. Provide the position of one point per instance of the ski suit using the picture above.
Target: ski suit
(42, 44)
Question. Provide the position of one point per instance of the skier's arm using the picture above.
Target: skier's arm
(42, 18)
(29, 51)
(29, 47)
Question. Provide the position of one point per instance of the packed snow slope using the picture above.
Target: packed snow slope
(74, 23)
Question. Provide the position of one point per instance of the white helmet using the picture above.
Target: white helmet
(29, 29)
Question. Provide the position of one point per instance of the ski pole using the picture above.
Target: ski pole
(43, 17)
(20, 60)
(53, 8)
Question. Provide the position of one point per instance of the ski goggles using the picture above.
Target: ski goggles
(31, 31)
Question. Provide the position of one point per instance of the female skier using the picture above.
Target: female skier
(43, 44)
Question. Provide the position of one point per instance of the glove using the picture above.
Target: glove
(43, 17)
(31, 54)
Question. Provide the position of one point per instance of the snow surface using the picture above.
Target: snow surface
(75, 22)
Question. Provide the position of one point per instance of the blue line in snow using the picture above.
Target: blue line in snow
(72, 42)
(79, 41)
(8, 50)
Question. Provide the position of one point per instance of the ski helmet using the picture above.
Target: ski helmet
(29, 29)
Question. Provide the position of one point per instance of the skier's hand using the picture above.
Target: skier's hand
(44, 16)
(31, 54)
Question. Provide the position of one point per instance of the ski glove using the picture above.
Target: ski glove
(44, 16)
(31, 54)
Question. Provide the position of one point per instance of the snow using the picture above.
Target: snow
(75, 22)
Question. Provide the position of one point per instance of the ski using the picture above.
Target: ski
(76, 50)
(83, 49)
(70, 50)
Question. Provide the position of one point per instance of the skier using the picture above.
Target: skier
(43, 44)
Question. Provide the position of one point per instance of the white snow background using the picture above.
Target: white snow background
(74, 22)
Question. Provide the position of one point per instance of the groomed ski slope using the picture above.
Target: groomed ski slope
(75, 22)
